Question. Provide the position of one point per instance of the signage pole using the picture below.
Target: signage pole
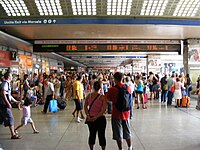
(185, 57)
(147, 67)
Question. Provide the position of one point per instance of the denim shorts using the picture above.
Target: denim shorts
(6, 116)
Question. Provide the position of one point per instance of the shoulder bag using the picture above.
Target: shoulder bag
(90, 106)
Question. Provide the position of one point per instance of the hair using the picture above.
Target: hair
(178, 79)
(32, 85)
(187, 75)
(27, 102)
(118, 76)
(128, 78)
(78, 77)
(6, 75)
(138, 76)
(97, 85)
(94, 76)
(25, 76)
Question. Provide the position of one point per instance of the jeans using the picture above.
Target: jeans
(170, 97)
(164, 95)
(187, 90)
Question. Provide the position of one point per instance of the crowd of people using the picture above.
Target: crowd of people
(91, 92)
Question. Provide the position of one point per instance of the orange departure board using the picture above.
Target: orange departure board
(106, 47)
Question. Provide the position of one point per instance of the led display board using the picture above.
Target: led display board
(106, 47)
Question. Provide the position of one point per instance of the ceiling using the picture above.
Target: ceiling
(182, 21)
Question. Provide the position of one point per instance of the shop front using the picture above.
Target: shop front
(4, 61)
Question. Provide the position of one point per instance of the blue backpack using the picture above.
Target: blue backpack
(124, 99)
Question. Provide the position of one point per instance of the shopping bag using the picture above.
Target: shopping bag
(145, 98)
(53, 106)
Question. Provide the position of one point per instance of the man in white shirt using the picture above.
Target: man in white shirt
(49, 94)
(5, 105)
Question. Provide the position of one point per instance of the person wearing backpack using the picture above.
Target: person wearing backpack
(120, 118)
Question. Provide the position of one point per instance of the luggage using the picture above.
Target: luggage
(145, 98)
(185, 102)
(53, 106)
(61, 104)
(40, 101)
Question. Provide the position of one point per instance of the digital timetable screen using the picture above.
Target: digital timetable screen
(106, 47)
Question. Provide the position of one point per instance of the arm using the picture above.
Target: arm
(52, 89)
(78, 96)
(6, 100)
(86, 107)
(27, 84)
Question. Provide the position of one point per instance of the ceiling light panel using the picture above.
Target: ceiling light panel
(15, 7)
(83, 7)
(187, 8)
(49, 7)
(119, 7)
(153, 7)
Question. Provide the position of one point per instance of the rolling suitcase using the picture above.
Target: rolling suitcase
(185, 102)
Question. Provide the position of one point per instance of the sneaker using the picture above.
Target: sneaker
(130, 148)
(78, 121)
(36, 132)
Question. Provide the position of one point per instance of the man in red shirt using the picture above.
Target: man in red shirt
(120, 120)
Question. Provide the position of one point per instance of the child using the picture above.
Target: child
(27, 116)
(31, 94)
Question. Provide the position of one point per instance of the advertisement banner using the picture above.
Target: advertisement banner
(4, 58)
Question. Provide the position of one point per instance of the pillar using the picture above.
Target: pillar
(185, 57)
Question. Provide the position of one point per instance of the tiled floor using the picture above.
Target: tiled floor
(157, 128)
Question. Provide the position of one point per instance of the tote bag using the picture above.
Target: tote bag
(53, 106)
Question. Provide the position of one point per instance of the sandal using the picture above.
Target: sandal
(145, 107)
(36, 132)
(16, 137)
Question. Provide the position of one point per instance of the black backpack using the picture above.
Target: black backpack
(124, 98)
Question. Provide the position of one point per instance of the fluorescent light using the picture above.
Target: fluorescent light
(49, 7)
(188, 6)
(153, 7)
(17, 7)
(83, 7)
(119, 7)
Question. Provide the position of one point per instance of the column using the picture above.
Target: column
(185, 57)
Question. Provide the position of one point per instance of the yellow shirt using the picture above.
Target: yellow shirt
(77, 86)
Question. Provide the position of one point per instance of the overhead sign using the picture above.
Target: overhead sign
(27, 21)
(104, 57)
(107, 42)
(106, 47)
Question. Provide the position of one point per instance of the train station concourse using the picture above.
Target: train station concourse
(94, 39)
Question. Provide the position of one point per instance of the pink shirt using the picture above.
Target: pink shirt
(96, 106)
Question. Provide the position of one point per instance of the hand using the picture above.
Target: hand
(18, 104)
(93, 118)
(9, 106)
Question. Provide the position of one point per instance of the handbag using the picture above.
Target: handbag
(190, 87)
(172, 88)
(90, 106)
